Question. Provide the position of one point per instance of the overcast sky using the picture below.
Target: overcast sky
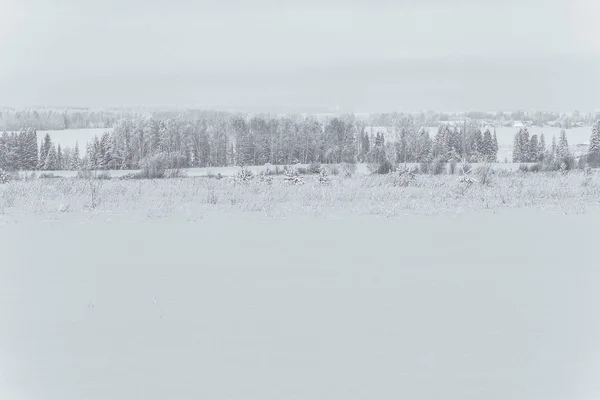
(379, 55)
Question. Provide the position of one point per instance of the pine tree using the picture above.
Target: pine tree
(439, 143)
(454, 144)
(525, 145)
(542, 148)
(487, 148)
(21, 145)
(67, 154)
(495, 150)
(563, 154)
(105, 156)
(40, 162)
(562, 151)
(59, 158)
(323, 177)
(517, 148)
(594, 149)
(76, 158)
(478, 146)
(3, 148)
(553, 149)
(44, 149)
(533, 155)
(31, 157)
(51, 163)
(10, 156)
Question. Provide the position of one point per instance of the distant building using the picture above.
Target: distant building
(518, 124)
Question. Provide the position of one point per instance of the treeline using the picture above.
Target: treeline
(57, 119)
(239, 141)
(258, 141)
(19, 152)
(80, 118)
(528, 149)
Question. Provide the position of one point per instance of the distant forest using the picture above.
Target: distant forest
(255, 141)
(76, 118)
(214, 139)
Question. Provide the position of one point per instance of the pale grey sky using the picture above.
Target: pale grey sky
(381, 54)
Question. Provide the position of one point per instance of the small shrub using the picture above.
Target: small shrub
(484, 173)
(323, 178)
(524, 168)
(6, 176)
(263, 177)
(243, 176)
(292, 177)
(94, 187)
(405, 177)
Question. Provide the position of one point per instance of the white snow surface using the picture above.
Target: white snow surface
(235, 305)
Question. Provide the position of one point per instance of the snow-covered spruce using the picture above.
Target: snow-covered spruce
(243, 176)
(264, 178)
(292, 177)
(323, 177)
(5, 177)
(405, 177)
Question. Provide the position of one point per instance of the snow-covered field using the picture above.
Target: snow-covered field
(197, 288)
(194, 197)
(361, 169)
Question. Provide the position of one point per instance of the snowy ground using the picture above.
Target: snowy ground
(199, 289)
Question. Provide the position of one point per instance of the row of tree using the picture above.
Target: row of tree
(257, 141)
(18, 151)
(532, 149)
(58, 119)
(80, 118)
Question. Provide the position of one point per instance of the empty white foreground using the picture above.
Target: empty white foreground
(239, 306)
